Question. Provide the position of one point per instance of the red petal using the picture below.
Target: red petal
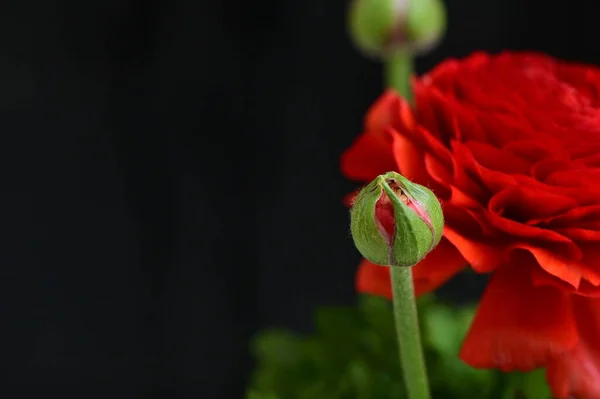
(373, 279)
(390, 110)
(541, 277)
(579, 234)
(512, 209)
(524, 203)
(568, 270)
(372, 153)
(492, 180)
(384, 218)
(531, 150)
(546, 167)
(410, 159)
(431, 144)
(592, 160)
(464, 180)
(574, 178)
(426, 111)
(466, 125)
(438, 267)
(589, 196)
(369, 156)
(437, 113)
(519, 326)
(577, 217)
(440, 172)
(440, 176)
(498, 160)
(461, 199)
(591, 262)
(559, 244)
(577, 373)
(482, 256)
(348, 199)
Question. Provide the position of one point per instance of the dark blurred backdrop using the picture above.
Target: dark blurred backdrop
(170, 178)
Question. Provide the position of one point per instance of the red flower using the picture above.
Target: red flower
(511, 146)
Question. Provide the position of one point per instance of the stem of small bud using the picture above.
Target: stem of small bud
(407, 332)
(398, 69)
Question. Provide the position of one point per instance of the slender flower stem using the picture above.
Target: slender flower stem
(407, 332)
(398, 69)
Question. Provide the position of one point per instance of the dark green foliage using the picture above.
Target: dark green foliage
(353, 355)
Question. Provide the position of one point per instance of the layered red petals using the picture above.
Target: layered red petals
(410, 160)
(519, 326)
(577, 371)
(373, 153)
(575, 374)
(437, 268)
(481, 255)
(389, 110)
(509, 143)
(433, 271)
(373, 279)
(369, 156)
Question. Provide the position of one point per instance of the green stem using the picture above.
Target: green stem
(398, 68)
(407, 333)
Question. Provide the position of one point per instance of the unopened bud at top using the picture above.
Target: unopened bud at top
(395, 222)
(382, 27)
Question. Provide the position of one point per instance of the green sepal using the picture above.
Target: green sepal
(427, 199)
(365, 232)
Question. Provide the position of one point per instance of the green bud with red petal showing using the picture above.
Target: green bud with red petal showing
(395, 222)
(382, 27)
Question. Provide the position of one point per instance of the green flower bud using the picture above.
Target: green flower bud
(395, 222)
(382, 27)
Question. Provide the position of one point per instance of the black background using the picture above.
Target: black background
(170, 180)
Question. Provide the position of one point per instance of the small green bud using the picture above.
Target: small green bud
(395, 222)
(382, 27)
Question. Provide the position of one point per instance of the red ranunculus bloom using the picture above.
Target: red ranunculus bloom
(510, 144)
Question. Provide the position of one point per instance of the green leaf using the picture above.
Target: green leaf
(530, 385)
(256, 395)
(534, 385)
(353, 355)
(278, 347)
(442, 330)
(446, 327)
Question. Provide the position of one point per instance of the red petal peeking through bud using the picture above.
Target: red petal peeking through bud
(384, 212)
(415, 206)
(384, 217)
(392, 221)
